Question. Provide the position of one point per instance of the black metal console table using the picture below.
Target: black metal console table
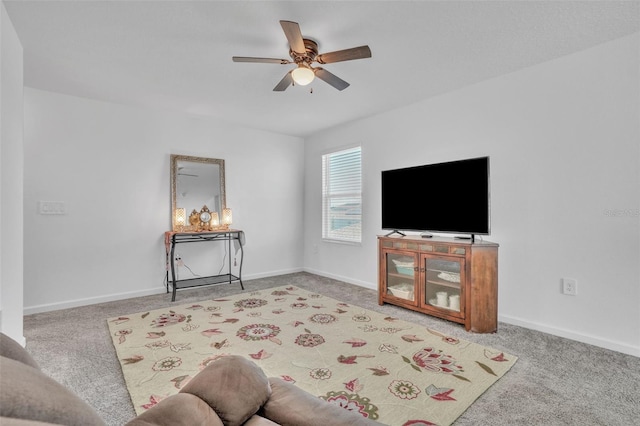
(229, 236)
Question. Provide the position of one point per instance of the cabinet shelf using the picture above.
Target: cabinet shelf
(442, 307)
(444, 283)
(203, 281)
(401, 276)
(463, 274)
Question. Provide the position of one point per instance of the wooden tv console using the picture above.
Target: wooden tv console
(449, 278)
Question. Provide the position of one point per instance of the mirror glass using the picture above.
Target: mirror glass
(196, 182)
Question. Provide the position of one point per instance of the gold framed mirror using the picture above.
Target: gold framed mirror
(196, 182)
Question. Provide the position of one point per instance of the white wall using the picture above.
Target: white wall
(109, 164)
(11, 167)
(563, 138)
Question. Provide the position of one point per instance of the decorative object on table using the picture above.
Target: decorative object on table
(390, 370)
(194, 220)
(227, 217)
(205, 219)
(210, 221)
(215, 220)
(181, 219)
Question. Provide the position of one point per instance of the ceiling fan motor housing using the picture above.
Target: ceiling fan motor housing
(311, 51)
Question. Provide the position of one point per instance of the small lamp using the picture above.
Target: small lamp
(302, 75)
(215, 220)
(226, 217)
(180, 218)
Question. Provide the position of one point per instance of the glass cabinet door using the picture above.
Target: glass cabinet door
(442, 283)
(401, 270)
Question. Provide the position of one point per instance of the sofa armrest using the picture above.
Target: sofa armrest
(291, 406)
(9, 348)
(27, 393)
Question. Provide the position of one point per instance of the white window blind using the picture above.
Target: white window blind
(342, 195)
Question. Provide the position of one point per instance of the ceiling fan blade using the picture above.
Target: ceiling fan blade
(294, 36)
(261, 60)
(332, 79)
(360, 52)
(286, 81)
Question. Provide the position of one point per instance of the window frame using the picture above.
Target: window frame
(327, 196)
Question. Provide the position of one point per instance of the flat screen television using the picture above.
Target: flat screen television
(451, 197)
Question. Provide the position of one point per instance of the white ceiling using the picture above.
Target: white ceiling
(176, 55)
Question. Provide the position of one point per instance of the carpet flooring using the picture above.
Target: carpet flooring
(555, 381)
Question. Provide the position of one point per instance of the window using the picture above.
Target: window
(342, 195)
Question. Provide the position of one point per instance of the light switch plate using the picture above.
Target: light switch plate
(52, 207)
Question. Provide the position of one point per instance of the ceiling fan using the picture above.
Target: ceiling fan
(304, 52)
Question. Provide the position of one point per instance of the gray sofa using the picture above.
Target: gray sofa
(231, 391)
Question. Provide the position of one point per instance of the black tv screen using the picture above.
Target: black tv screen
(451, 197)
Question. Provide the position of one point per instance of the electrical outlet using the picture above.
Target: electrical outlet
(569, 286)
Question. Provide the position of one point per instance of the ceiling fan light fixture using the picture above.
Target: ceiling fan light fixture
(303, 75)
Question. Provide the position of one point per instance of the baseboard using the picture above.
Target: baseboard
(28, 310)
(272, 274)
(341, 278)
(571, 335)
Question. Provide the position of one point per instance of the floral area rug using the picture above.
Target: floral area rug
(387, 369)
